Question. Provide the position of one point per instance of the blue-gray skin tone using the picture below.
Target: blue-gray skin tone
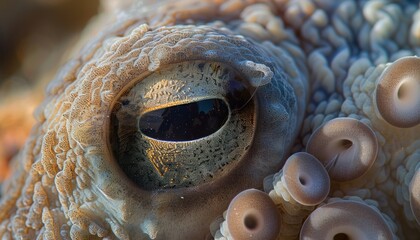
(302, 64)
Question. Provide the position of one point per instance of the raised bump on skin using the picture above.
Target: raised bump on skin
(253, 215)
(345, 220)
(398, 93)
(306, 179)
(347, 147)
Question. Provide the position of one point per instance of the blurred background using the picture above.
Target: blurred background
(35, 38)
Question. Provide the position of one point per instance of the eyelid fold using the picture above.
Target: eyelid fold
(193, 81)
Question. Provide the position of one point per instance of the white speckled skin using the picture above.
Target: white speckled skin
(311, 61)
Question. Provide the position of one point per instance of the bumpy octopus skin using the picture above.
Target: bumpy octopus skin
(275, 71)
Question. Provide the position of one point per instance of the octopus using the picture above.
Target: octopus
(236, 119)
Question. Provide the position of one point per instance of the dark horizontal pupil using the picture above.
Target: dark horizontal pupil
(185, 122)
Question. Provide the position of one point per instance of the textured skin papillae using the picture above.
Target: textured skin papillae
(307, 62)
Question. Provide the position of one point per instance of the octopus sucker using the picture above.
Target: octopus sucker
(255, 119)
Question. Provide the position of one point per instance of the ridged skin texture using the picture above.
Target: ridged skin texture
(307, 62)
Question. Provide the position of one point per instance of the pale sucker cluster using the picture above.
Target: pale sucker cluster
(236, 119)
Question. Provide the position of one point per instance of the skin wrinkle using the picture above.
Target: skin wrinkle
(309, 61)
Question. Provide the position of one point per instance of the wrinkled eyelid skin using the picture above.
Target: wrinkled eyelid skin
(142, 52)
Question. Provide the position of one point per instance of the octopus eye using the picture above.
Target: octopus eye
(182, 126)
